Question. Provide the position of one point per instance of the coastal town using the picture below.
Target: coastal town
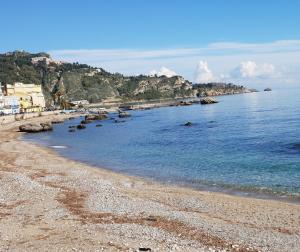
(21, 98)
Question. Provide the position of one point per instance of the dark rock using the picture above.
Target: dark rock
(123, 114)
(81, 126)
(126, 107)
(71, 118)
(99, 125)
(184, 103)
(72, 130)
(144, 249)
(72, 127)
(208, 100)
(35, 127)
(188, 124)
(56, 121)
(267, 89)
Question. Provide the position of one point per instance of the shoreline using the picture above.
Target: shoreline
(231, 191)
(52, 194)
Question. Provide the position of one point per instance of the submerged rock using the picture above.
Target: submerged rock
(99, 125)
(86, 121)
(119, 121)
(208, 100)
(35, 127)
(72, 130)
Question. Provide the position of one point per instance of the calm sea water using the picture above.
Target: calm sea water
(244, 144)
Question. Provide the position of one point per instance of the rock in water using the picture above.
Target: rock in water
(96, 117)
(267, 89)
(208, 100)
(123, 114)
(81, 126)
(188, 124)
(98, 125)
(35, 127)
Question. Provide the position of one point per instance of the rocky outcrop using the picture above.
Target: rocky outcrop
(208, 100)
(57, 120)
(35, 127)
(94, 117)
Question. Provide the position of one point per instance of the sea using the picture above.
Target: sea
(247, 144)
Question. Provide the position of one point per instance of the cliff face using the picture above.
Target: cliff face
(63, 82)
(69, 82)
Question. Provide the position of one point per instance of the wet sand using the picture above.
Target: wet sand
(50, 203)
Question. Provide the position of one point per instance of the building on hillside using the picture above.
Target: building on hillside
(46, 60)
(31, 98)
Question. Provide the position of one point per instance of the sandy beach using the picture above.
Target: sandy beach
(50, 203)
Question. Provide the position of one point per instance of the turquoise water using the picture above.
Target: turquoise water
(245, 144)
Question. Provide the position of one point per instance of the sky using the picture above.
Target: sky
(253, 43)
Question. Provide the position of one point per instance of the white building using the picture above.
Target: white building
(11, 105)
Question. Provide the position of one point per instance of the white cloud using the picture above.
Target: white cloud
(283, 55)
(163, 71)
(203, 74)
(250, 69)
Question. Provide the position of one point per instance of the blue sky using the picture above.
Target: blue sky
(243, 41)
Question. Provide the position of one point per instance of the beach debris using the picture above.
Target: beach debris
(35, 127)
(151, 218)
(144, 249)
(208, 100)
(81, 126)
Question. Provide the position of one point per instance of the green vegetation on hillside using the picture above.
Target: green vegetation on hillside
(74, 81)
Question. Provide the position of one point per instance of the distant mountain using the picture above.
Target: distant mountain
(63, 81)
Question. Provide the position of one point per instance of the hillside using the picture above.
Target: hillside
(73, 81)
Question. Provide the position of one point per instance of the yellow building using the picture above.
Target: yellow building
(30, 95)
